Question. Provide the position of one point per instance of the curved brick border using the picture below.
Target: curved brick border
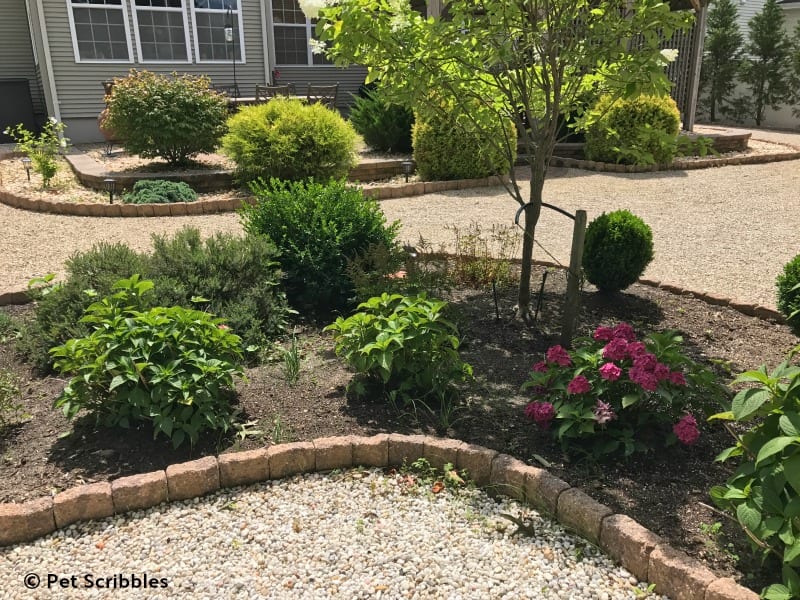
(204, 207)
(764, 313)
(676, 165)
(637, 549)
(758, 311)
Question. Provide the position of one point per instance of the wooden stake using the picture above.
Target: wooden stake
(572, 304)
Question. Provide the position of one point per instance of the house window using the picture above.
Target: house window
(291, 32)
(99, 30)
(160, 27)
(211, 17)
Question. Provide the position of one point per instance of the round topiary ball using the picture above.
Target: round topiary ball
(617, 249)
(788, 297)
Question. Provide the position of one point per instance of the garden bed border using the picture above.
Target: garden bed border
(636, 548)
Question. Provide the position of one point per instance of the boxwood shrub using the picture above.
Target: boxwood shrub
(617, 249)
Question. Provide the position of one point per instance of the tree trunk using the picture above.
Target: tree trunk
(532, 212)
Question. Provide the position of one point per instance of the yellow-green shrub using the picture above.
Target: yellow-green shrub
(639, 131)
(453, 147)
(290, 140)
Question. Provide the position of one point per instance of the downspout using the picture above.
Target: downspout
(265, 16)
(50, 92)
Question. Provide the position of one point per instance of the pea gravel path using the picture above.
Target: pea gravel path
(725, 230)
(321, 536)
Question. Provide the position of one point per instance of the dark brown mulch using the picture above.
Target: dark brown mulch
(666, 491)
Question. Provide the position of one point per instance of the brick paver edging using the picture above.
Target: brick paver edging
(201, 207)
(676, 165)
(764, 313)
(637, 549)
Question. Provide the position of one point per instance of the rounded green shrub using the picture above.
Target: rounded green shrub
(317, 229)
(288, 139)
(159, 191)
(617, 249)
(90, 275)
(452, 147)
(641, 131)
(172, 117)
(237, 277)
(172, 367)
(384, 126)
(788, 296)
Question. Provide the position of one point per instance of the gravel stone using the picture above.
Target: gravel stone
(321, 536)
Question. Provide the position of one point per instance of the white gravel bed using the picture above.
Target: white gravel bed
(318, 536)
(726, 230)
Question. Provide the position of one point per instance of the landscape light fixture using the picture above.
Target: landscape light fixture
(26, 162)
(110, 185)
(408, 168)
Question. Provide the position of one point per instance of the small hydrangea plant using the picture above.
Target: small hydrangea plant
(618, 393)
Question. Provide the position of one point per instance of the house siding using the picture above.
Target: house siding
(80, 92)
(16, 50)
(349, 80)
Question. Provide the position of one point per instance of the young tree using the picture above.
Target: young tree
(723, 56)
(533, 61)
(766, 69)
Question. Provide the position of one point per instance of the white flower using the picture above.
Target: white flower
(53, 120)
(317, 47)
(669, 54)
(311, 8)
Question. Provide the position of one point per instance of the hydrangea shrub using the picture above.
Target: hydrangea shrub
(617, 393)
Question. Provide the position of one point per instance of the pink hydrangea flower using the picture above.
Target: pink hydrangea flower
(677, 378)
(616, 349)
(542, 413)
(540, 367)
(603, 334)
(686, 430)
(635, 349)
(579, 385)
(603, 413)
(661, 371)
(557, 355)
(644, 378)
(624, 331)
(610, 372)
(646, 361)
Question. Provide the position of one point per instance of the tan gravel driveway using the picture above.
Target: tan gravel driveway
(726, 230)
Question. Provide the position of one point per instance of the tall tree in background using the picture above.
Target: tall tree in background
(766, 69)
(722, 58)
(533, 61)
(795, 77)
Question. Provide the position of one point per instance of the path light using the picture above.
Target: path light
(26, 162)
(110, 185)
(408, 168)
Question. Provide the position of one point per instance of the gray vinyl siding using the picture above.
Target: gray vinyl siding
(80, 92)
(16, 52)
(349, 80)
(747, 11)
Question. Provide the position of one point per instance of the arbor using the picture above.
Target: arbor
(535, 61)
(766, 69)
(722, 58)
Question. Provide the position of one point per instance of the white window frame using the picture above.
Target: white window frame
(242, 60)
(123, 6)
(183, 12)
(309, 27)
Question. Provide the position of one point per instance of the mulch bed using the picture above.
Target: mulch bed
(665, 491)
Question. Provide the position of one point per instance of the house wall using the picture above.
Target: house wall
(80, 92)
(17, 58)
